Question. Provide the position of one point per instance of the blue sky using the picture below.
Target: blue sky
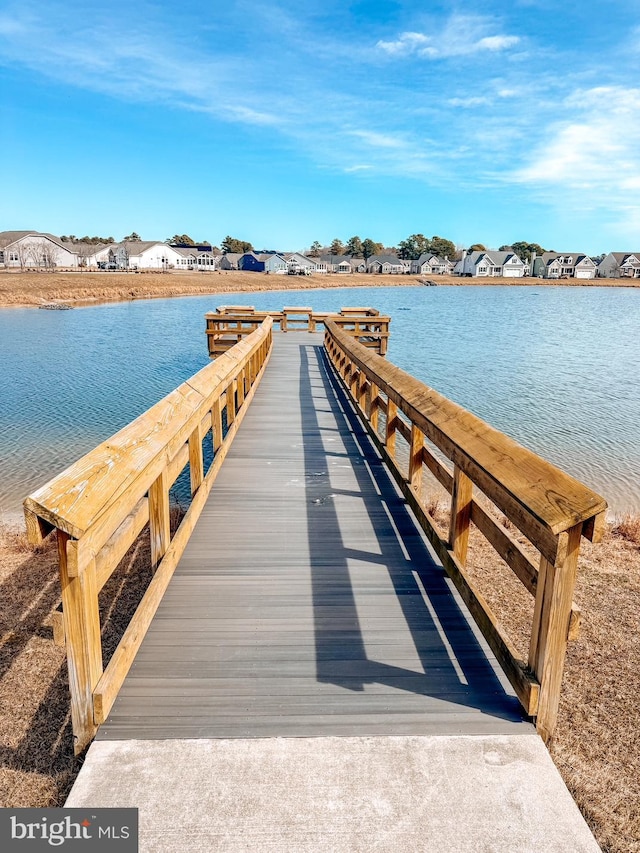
(288, 122)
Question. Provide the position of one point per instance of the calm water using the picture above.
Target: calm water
(556, 368)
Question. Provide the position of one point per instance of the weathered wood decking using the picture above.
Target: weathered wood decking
(306, 602)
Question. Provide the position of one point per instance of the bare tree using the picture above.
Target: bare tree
(26, 254)
(48, 254)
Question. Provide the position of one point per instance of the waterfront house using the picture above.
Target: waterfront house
(564, 265)
(430, 264)
(387, 265)
(620, 265)
(491, 264)
(35, 249)
(337, 263)
(229, 261)
(299, 263)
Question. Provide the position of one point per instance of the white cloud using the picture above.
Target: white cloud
(360, 167)
(462, 35)
(378, 140)
(597, 149)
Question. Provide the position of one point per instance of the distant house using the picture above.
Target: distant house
(387, 265)
(263, 262)
(196, 258)
(250, 262)
(337, 263)
(490, 264)
(274, 263)
(358, 265)
(36, 249)
(430, 264)
(620, 265)
(229, 261)
(555, 265)
(299, 263)
(141, 255)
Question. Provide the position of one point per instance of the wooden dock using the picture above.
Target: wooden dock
(307, 591)
(306, 602)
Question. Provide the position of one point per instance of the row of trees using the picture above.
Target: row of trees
(409, 249)
(93, 241)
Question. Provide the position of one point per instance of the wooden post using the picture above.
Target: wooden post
(159, 526)
(196, 462)
(84, 649)
(415, 459)
(461, 496)
(556, 582)
(390, 430)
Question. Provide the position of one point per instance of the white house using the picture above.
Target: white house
(35, 249)
(142, 255)
(491, 264)
(620, 265)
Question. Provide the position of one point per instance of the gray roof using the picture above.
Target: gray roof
(386, 259)
(9, 237)
(335, 259)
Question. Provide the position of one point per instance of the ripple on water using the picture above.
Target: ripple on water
(567, 390)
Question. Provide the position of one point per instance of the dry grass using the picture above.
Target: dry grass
(81, 288)
(596, 748)
(597, 743)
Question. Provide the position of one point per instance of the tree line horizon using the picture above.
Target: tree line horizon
(411, 248)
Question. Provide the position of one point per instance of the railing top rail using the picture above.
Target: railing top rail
(73, 500)
(516, 479)
(231, 313)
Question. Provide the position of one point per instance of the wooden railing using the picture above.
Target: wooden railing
(101, 503)
(550, 508)
(230, 323)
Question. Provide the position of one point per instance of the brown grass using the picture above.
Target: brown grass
(596, 747)
(82, 288)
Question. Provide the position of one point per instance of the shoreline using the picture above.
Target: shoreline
(82, 289)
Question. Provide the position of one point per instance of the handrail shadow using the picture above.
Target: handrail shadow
(454, 665)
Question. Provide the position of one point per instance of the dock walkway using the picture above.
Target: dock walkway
(310, 681)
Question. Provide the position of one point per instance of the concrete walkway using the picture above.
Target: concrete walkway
(337, 794)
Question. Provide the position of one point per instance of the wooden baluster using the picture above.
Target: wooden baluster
(390, 429)
(461, 495)
(415, 459)
(354, 384)
(159, 527)
(216, 421)
(196, 461)
(84, 648)
(374, 408)
(231, 403)
(240, 386)
(549, 634)
(363, 392)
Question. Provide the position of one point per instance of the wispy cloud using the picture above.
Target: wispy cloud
(378, 140)
(461, 35)
(597, 148)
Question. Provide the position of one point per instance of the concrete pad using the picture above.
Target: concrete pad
(298, 795)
